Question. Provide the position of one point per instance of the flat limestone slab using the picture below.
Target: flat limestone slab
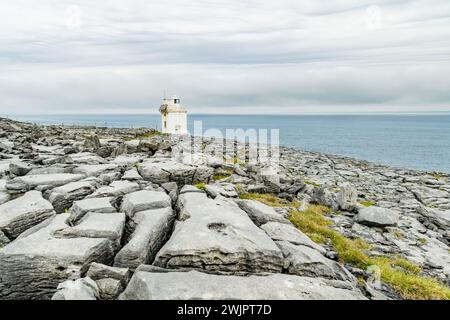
(22, 213)
(92, 170)
(166, 170)
(30, 182)
(217, 235)
(81, 207)
(145, 200)
(152, 229)
(63, 197)
(287, 232)
(147, 284)
(97, 225)
(31, 267)
(115, 189)
(260, 213)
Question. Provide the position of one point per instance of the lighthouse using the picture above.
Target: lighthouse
(173, 116)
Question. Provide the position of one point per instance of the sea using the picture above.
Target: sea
(417, 141)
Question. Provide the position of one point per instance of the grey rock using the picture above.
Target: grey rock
(22, 213)
(80, 289)
(163, 170)
(109, 289)
(271, 179)
(132, 175)
(116, 189)
(81, 207)
(347, 197)
(286, 232)
(63, 197)
(227, 190)
(97, 225)
(217, 235)
(147, 284)
(151, 231)
(305, 261)
(98, 271)
(260, 213)
(29, 182)
(19, 168)
(324, 196)
(93, 170)
(377, 217)
(172, 189)
(144, 200)
(3, 239)
(31, 267)
(188, 188)
(92, 142)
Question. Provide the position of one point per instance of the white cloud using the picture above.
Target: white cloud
(234, 56)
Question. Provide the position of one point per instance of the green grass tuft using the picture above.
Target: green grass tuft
(401, 274)
(201, 186)
(270, 200)
(367, 203)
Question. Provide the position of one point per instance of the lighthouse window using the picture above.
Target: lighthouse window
(176, 100)
(165, 124)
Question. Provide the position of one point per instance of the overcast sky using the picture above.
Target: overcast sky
(227, 56)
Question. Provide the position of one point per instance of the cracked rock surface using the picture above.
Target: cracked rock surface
(103, 213)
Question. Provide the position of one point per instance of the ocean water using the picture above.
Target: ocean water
(410, 141)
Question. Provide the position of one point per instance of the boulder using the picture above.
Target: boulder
(31, 267)
(63, 197)
(144, 200)
(305, 261)
(109, 289)
(151, 230)
(19, 168)
(98, 271)
(150, 284)
(92, 142)
(217, 235)
(81, 207)
(325, 197)
(287, 232)
(261, 213)
(271, 179)
(347, 197)
(80, 289)
(22, 213)
(377, 217)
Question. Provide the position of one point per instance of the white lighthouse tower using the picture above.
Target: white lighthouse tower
(173, 116)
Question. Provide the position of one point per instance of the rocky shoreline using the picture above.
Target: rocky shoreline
(102, 213)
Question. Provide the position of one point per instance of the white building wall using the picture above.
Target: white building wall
(174, 123)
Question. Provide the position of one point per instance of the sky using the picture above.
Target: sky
(231, 56)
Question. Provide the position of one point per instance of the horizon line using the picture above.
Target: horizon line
(234, 114)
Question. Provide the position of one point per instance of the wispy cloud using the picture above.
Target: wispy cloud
(224, 56)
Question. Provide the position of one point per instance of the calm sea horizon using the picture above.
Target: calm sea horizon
(417, 141)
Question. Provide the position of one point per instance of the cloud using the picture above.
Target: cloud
(224, 56)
